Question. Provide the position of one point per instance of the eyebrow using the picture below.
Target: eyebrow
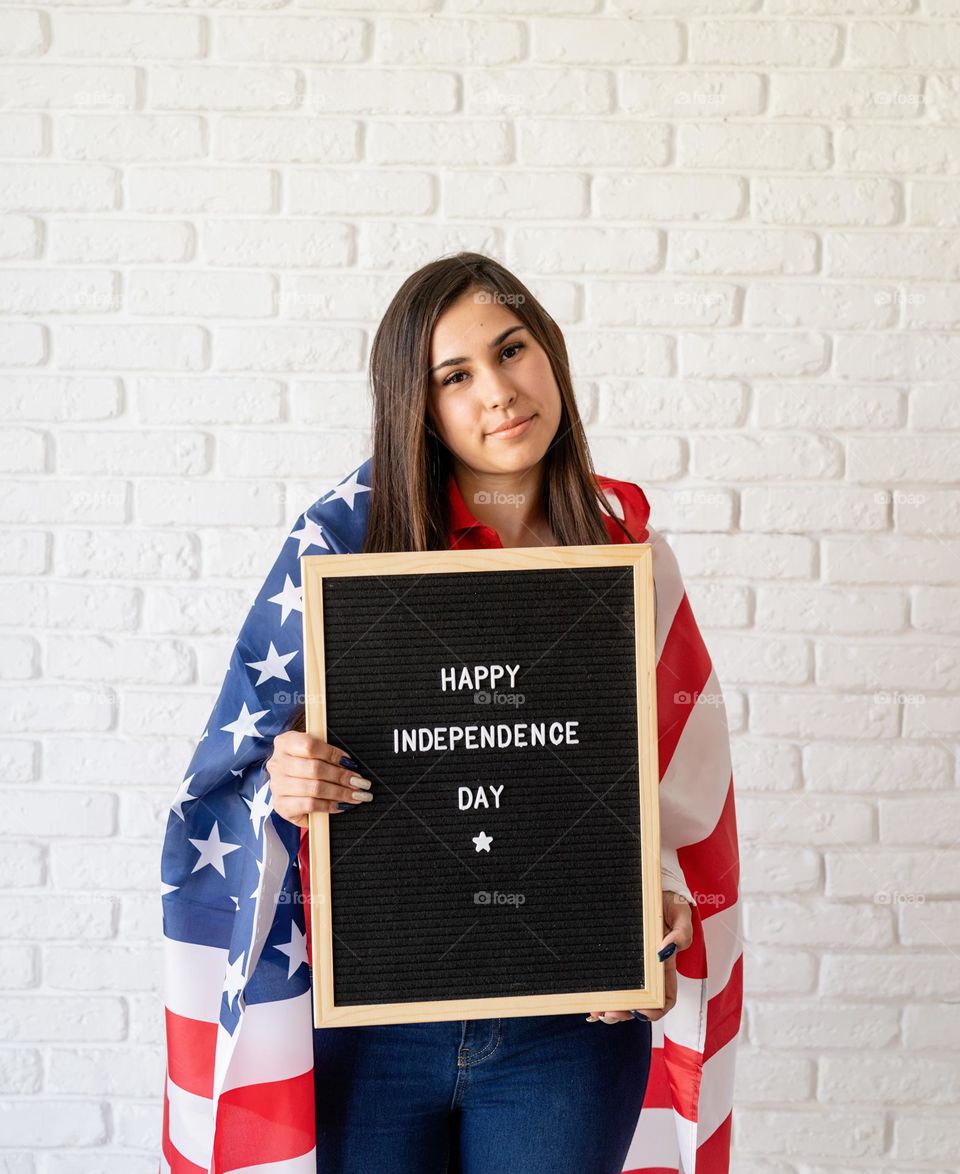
(466, 358)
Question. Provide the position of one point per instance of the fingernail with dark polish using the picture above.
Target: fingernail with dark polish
(349, 763)
(667, 951)
(345, 806)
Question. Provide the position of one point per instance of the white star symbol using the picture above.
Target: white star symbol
(183, 796)
(309, 534)
(260, 868)
(212, 850)
(165, 888)
(233, 980)
(272, 666)
(295, 950)
(244, 725)
(260, 807)
(483, 842)
(290, 598)
(348, 490)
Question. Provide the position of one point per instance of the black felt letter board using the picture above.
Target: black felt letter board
(485, 871)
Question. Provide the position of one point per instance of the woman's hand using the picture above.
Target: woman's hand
(306, 775)
(679, 921)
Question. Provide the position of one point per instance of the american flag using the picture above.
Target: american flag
(239, 1085)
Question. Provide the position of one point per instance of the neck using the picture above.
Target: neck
(512, 503)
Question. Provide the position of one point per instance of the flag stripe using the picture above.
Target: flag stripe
(275, 1044)
(304, 1164)
(266, 1122)
(654, 1144)
(191, 1051)
(190, 1125)
(193, 979)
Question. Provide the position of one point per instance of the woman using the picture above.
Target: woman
(477, 441)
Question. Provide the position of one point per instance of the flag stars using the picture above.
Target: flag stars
(290, 598)
(309, 534)
(295, 950)
(273, 665)
(183, 796)
(260, 807)
(244, 725)
(234, 981)
(213, 851)
(347, 490)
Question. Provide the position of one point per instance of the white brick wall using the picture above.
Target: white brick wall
(747, 223)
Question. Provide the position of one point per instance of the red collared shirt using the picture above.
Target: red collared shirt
(627, 500)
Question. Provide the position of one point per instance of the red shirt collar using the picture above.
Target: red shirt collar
(630, 498)
(460, 516)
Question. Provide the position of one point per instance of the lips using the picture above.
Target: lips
(507, 425)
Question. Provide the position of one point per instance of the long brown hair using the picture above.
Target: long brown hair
(411, 464)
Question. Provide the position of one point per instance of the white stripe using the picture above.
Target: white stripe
(685, 1022)
(164, 1164)
(723, 942)
(654, 1141)
(716, 1090)
(193, 979)
(305, 1164)
(273, 1042)
(668, 585)
(191, 1125)
(694, 787)
(687, 1139)
(269, 884)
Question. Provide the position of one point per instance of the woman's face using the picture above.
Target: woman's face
(486, 367)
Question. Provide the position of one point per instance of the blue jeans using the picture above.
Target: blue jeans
(480, 1096)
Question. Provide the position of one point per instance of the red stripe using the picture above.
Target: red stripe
(684, 1070)
(261, 1123)
(723, 1012)
(682, 671)
(175, 1160)
(713, 1157)
(191, 1053)
(657, 1095)
(711, 867)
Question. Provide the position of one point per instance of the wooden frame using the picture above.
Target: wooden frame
(317, 568)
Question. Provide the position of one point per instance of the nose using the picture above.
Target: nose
(498, 392)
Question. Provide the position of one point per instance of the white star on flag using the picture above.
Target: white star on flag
(244, 725)
(234, 981)
(212, 850)
(483, 842)
(295, 950)
(309, 534)
(260, 867)
(274, 665)
(348, 490)
(183, 796)
(290, 598)
(260, 807)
